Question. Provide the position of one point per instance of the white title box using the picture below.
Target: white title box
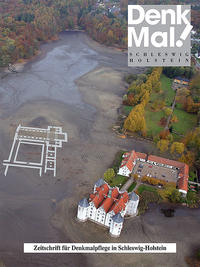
(99, 247)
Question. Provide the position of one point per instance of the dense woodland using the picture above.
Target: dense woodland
(26, 23)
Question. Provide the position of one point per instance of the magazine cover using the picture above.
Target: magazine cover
(99, 133)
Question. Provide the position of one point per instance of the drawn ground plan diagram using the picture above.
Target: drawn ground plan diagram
(46, 140)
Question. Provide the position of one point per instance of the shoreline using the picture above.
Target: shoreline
(20, 64)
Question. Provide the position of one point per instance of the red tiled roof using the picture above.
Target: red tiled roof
(115, 193)
(141, 155)
(119, 206)
(107, 203)
(98, 197)
(183, 180)
(120, 203)
(128, 160)
(109, 200)
(170, 162)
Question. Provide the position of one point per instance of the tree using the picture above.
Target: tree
(167, 190)
(188, 158)
(163, 145)
(158, 104)
(174, 196)
(135, 176)
(174, 119)
(135, 122)
(177, 147)
(168, 111)
(109, 174)
(192, 199)
(110, 36)
(164, 134)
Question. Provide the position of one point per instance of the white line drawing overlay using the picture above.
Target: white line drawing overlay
(48, 139)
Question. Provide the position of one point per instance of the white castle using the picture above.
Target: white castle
(108, 206)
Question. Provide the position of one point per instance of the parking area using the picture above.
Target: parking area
(163, 173)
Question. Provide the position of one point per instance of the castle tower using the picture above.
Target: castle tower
(99, 183)
(82, 213)
(116, 225)
(132, 204)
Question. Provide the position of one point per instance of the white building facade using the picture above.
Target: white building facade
(108, 206)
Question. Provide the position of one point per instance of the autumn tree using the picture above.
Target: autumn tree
(177, 147)
(174, 119)
(110, 36)
(24, 24)
(163, 145)
(164, 134)
(188, 158)
(174, 196)
(192, 140)
(135, 122)
(135, 176)
(109, 174)
(168, 111)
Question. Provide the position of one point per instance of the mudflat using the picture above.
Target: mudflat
(77, 84)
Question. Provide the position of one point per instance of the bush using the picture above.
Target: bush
(167, 190)
(130, 189)
(109, 175)
(153, 181)
(117, 161)
(175, 196)
(192, 198)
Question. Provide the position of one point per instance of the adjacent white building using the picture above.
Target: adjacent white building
(108, 206)
(129, 160)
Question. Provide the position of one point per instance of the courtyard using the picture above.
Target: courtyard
(151, 170)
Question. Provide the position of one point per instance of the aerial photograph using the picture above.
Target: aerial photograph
(93, 149)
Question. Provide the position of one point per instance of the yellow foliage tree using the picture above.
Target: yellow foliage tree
(177, 147)
(188, 158)
(174, 119)
(163, 145)
(135, 122)
(168, 111)
(167, 191)
(110, 35)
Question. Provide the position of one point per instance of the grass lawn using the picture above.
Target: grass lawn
(144, 187)
(186, 121)
(153, 117)
(130, 189)
(168, 92)
(152, 121)
(118, 180)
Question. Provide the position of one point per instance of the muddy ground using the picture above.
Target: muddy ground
(77, 84)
